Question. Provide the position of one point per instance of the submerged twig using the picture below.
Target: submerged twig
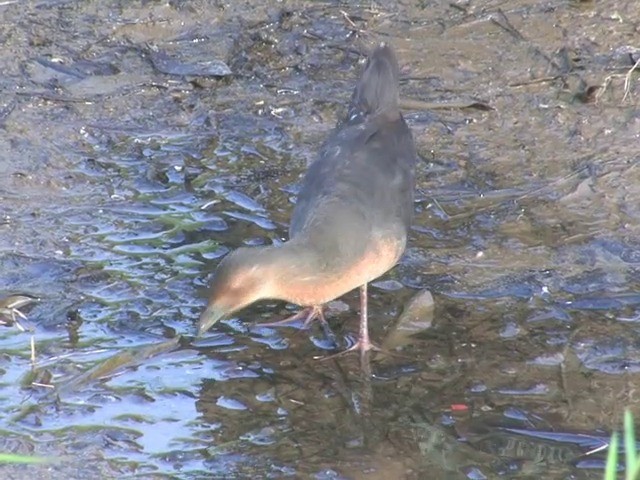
(412, 104)
(535, 81)
(33, 349)
(531, 192)
(499, 18)
(123, 359)
(627, 80)
(10, 314)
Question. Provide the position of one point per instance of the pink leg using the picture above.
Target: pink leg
(364, 343)
(309, 314)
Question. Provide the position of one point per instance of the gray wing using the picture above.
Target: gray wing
(361, 184)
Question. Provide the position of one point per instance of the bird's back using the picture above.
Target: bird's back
(360, 189)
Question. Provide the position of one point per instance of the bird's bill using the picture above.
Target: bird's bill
(209, 318)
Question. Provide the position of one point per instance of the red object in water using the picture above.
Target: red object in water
(459, 407)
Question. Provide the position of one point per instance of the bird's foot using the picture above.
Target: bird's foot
(364, 346)
(306, 316)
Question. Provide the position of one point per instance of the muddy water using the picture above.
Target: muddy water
(141, 141)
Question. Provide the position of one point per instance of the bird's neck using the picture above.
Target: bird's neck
(287, 266)
(294, 258)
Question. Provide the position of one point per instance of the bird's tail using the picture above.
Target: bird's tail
(377, 87)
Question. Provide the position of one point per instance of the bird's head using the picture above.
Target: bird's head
(243, 277)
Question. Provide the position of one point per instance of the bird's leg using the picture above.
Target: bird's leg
(308, 314)
(363, 344)
(363, 339)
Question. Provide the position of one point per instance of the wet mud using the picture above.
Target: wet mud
(141, 141)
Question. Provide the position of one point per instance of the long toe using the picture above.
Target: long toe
(301, 320)
(363, 346)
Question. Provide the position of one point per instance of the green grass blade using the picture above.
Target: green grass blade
(629, 445)
(13, 458)
(612, 459)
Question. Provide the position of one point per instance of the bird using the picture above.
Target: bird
(351, 219)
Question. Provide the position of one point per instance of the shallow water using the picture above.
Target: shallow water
(122, 183)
